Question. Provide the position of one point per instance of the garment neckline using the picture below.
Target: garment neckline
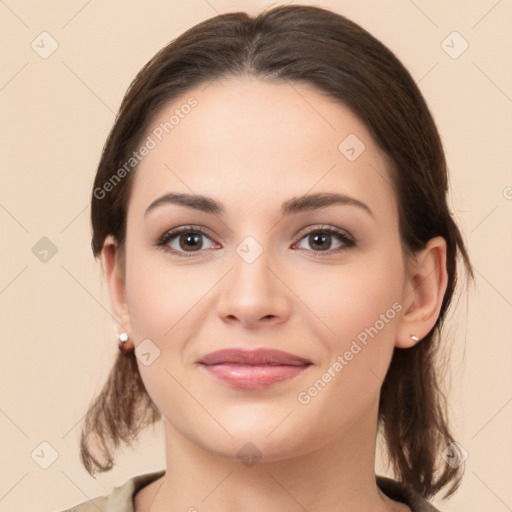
(391, 488)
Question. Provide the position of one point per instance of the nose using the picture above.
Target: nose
(253, 294)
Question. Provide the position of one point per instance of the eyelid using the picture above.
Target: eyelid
(326, 228)
(172, 233)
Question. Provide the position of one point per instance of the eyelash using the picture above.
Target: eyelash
(163, 241)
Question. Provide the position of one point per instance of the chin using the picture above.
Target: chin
(270, 440)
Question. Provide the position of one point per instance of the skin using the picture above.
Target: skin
(251, 145)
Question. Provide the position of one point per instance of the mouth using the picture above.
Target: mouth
(255, 369)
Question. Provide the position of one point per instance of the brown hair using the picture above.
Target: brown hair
(319, 47)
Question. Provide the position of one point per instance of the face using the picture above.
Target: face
(324, 281)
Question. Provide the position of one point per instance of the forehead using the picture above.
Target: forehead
(246, 141)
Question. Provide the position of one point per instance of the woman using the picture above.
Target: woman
(271, 213)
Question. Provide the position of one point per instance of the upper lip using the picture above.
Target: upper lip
(253, 357)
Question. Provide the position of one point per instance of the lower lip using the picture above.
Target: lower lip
(253, 376)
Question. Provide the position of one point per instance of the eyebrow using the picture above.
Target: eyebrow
(292, 206)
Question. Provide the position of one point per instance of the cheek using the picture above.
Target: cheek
(352, 298)
(162, 302)
(361, 309)
(361, 306)
(160, 296)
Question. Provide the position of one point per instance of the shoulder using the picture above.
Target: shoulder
(95, 504)
(121, 497)
(400, 492)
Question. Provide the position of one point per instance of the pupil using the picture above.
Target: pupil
(319, 237)
(190, 239)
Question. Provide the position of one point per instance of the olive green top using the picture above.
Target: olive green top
(121, 498)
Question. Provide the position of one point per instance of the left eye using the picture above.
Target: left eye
(322, 239)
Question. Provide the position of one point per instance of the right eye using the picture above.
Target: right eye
(178, 241)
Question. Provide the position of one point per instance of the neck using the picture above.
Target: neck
(337, 475)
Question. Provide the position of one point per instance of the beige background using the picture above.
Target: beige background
(57, 339)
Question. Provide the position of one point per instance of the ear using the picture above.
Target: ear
(426, 283)
(113, 267)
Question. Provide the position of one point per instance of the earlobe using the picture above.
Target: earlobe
(427, 280)
(113, 268)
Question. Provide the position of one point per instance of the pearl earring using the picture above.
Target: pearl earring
(122, 345)
(414, 338)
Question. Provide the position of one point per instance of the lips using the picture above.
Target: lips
(253, 357)
(254, 369)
